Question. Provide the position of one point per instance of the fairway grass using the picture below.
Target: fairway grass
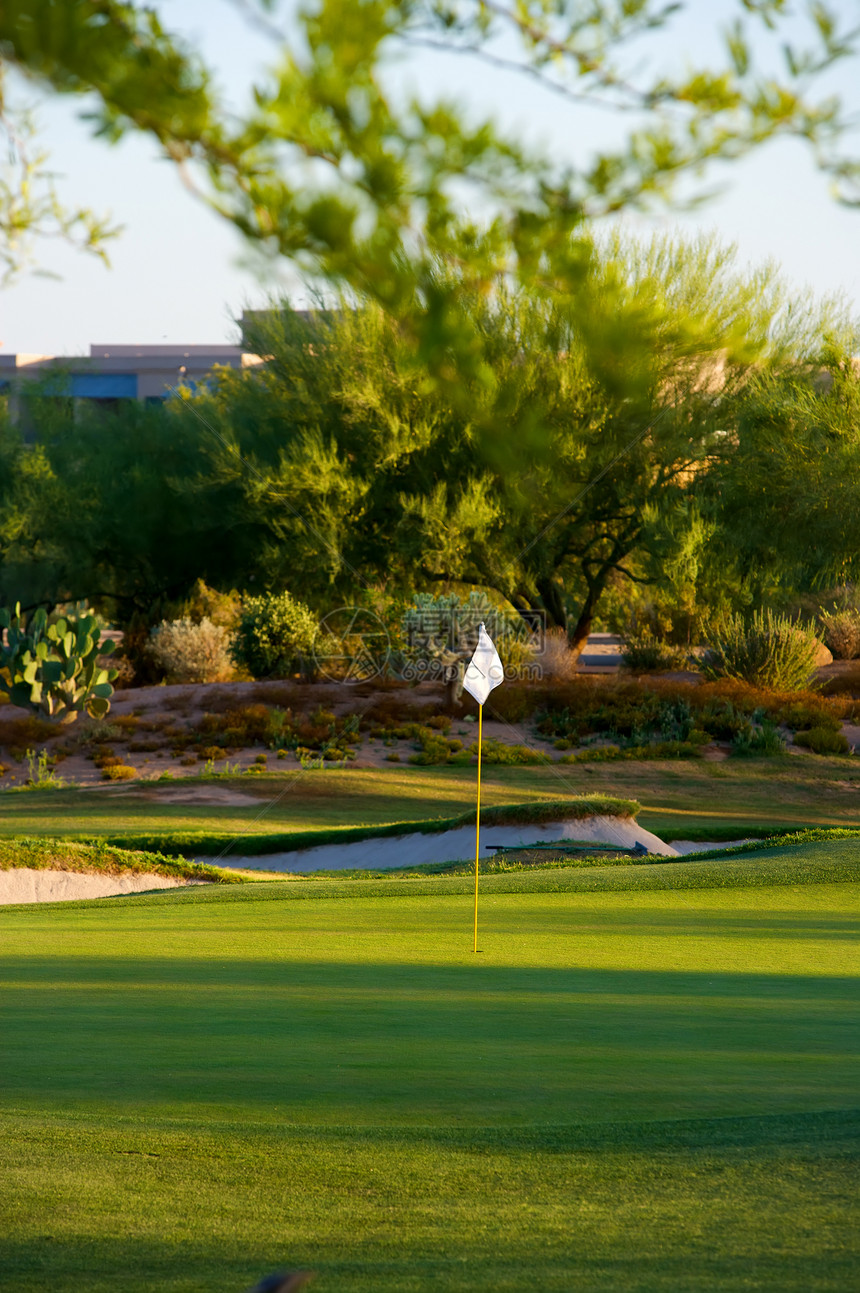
(628, 1089)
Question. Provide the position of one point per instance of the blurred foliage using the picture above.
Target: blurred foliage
(782, 491)
(31, 208)
(364, 184)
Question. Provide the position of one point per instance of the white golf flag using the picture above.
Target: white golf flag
(485, 670)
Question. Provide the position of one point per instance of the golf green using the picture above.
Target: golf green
(623, 1091)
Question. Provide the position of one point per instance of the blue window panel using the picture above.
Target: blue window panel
(104, 386)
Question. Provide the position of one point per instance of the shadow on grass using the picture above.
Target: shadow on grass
(396, 1043)
(723, 1204)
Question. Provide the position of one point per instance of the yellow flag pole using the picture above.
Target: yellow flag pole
(478, 820)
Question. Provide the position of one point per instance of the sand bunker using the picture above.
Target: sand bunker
(390, 851)
(24, 884)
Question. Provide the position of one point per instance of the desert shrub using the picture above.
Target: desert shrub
(118, 772)
(761, 741)
(675, 720)
(656, 750)
(41, 771)
(556, 660)
(495, 752)
(278, 729)
(823, 740)
(513, 702)
(126, 723)
(722, 719)
(802, 715)
(97, 732)
(27, 731)
(768, 650)
(626, 711)
(251, 725)
(643, 652)
(274, 636)
(205, 603)
(435, 748)
(841, 631)
(183, 651)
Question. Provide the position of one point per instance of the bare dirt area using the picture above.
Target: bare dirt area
(157, 792)
(153, 734)
(199, 733)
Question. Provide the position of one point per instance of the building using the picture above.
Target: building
(112, 374)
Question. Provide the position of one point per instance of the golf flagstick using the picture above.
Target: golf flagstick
(478, 820)
(483, 673)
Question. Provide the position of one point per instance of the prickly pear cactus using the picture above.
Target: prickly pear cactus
(53, 669)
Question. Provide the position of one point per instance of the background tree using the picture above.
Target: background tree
(603, 438)
(784, 490)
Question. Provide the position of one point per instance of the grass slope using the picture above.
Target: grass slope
(102, 859)
(680, 799)
(639, 1090)
(210, 842)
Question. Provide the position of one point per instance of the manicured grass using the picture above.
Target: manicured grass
(628, 1089)
(681, 799)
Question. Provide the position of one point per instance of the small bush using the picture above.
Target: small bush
(495, 752)
(119, 772)
(274, 637)
(768, 651)
(644, 653)
(96, 733)
(842, 633)
(557, 661)
(823, 740)
(183, 651)
(759, 742)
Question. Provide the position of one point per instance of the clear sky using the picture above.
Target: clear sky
(177, 273)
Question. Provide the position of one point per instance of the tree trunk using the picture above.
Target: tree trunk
(578, 636)
(552, 602)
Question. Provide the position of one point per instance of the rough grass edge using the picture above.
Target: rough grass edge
(682, 874)
(189, 843)
(102, 859)
(777, 839)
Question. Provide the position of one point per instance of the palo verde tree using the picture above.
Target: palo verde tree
(784, 488)
(575, 457)
(559, 467)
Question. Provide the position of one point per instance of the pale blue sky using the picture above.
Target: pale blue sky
(176, 274)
